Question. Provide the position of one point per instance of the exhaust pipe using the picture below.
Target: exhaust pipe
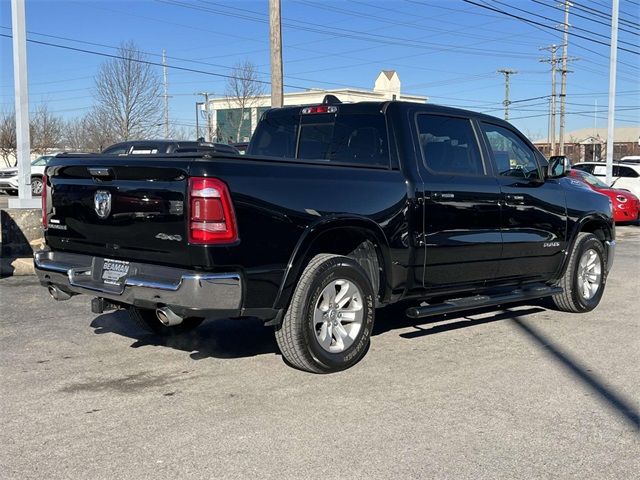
(58, 294)
(168, 317)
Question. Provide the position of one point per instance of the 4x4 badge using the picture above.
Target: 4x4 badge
(102, 203)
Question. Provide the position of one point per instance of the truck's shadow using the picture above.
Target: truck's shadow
(248, 337)
(215, 338)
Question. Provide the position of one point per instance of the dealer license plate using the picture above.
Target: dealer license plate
(114, 272)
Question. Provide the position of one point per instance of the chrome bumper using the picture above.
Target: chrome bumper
(146, 285)
(610, 246)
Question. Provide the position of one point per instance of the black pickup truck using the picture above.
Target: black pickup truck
(335, 210)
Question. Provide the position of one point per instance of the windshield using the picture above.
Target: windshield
(41, 161)
(593, 180)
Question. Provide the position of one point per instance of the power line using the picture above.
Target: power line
(591, 19)
(533, 22)
(596, 12)
(345, 33)
(553, 20)
(147, 62)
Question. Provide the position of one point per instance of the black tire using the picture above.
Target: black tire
(297, 336)
(146, 318)
(36, 186)
(571, 299)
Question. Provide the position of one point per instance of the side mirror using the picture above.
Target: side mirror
(559, 166)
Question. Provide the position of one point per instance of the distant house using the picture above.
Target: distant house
(589, 144)
(225, 115)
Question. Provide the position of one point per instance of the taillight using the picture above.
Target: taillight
(211, 216)
(44, 201)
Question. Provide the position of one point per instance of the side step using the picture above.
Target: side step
(479, 301)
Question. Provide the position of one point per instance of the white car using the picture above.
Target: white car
(9, 176)
(625, 175)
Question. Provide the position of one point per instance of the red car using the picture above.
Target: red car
(626, 206)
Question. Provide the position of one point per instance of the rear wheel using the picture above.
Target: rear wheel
(147, 319)
(584, 279)
(328, 325)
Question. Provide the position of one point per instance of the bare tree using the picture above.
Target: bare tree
(128, 94)
(46, 130)
(242, 92)
(99, 131)
(8, 141)
(77, 134)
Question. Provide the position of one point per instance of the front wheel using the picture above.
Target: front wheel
(36, 186)
(147, 319)
(328, 325)
(584, 279)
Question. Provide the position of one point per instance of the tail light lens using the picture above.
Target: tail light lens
(45, 206)
(211, 216)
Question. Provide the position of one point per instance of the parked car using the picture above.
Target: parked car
(241, 147)
(625, 175)
(154, 147)
(630, 159)
(335, 210)
(9, 176)
(626, 206)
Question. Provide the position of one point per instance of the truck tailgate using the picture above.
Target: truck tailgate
(120, 208)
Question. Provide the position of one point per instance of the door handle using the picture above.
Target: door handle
(443, 196)
(514, 198)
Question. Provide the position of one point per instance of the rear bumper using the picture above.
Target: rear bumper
(187, 292)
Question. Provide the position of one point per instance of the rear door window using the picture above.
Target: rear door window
(627, 172)
(449, 145)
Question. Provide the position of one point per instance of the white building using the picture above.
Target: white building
(225, 114)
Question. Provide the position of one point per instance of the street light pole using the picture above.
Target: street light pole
(23, 141)
(612, 89)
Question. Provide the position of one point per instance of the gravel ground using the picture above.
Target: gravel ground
(518, 393)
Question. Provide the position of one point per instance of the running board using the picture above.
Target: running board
(479, 301)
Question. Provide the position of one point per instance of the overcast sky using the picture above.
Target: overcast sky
(448, 50)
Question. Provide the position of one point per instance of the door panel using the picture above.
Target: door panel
(462, 230)
(461, 234)
(533, 218)
(533, 229)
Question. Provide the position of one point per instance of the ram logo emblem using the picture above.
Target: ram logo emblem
(102, 203)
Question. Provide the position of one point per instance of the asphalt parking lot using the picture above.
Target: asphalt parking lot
(518, 393)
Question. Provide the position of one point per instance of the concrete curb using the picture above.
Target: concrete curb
(16, 266)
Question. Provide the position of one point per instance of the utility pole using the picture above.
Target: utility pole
(207, 131)
(275, 40)
(612, 89)
(563, 86)
(552, 114)
(23, 142)
(197, 120)
(506, 72)
(165, 95)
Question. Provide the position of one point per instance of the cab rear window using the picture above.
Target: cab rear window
(356, 139)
